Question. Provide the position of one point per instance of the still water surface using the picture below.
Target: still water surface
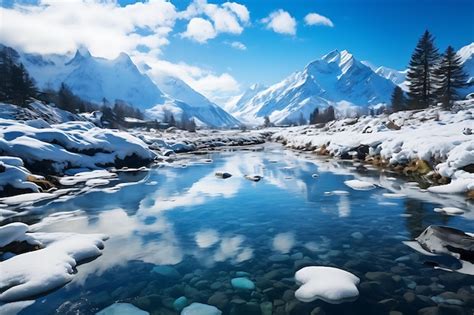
(206, 229)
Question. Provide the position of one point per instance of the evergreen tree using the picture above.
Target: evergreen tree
(398, 100)
(421, 70)
(451, 77)
(301, 120)
(313, 117)
(266, 122)
(172, 121)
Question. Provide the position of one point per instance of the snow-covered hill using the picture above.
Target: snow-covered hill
(467, 57)
(93, 79)
(336, 79)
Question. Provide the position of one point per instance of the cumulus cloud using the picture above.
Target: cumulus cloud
(280, 22)
(140, 29)
(238, 45)
(103, 26)
(229, 17)
(199, 30)
(317, 19)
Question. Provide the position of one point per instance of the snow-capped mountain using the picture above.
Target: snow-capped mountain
(336, 79)
(236, 104)
(94, 78)
(467, 57)
(194, 103)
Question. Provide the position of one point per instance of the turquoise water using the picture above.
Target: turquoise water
(206, 230)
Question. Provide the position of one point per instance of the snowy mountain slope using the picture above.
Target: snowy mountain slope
(199, 106)
(396, 76)
(236, 104)
(336, 79)
(467, 57)
(93, 78)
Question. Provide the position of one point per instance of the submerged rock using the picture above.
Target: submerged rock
(242, 283)
(223, 175)
(166, 271)
(180, 303)
(254, 178)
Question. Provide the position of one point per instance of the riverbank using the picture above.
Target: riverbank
(432, 144)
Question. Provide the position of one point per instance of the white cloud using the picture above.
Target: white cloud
(280, 22)
(317, 19)
(199, 30)
(238, 45)
(229, 17)
(107, 29)
(104, 27)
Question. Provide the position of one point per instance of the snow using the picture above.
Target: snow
(359, 185)
(74, 144)
(122, 309)
(449, 210)
(337, 79)
(37, 114)
(394, 195)
(329, 284)
(24, 199)
(59, 256)
(14, 232)
(200, 309)
(12, 173)
(448, 152)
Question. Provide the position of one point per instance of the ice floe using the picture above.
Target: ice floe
(329, 284)
(200, 309)
(122, 309)
(359, 185)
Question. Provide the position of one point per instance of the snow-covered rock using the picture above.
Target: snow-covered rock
(337, 79)
(359, 185)
(74, 144)
(58, 257)
(329, 284)
(13, 175)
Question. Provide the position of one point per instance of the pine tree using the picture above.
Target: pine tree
(301, 120)
(421, 72)
(451, 77)
(266, 122)
(313, 117)
(398, 100)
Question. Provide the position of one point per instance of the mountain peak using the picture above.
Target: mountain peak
(123, 58)
(466, 52)
(81, 54)
(332, 56)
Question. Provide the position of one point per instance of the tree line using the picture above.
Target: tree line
(432, 78)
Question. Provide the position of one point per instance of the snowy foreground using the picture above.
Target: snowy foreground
(436, 144)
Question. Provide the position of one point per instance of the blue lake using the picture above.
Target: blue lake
(205, 229)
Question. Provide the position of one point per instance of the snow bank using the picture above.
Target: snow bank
(74, 144)
(437, 137)
(60, 254)
(13, 174)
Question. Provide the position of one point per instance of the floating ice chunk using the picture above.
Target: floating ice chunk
(315, 176)
(242, 283)
(97, 182)
(359, 185)
(329, 284)
(19, 279)
(394, 195)
(200, 309)
(449, 210)
(85, 177)
(122, 309)
(457, 186)
(337, 192)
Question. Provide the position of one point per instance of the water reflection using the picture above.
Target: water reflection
(191, 220)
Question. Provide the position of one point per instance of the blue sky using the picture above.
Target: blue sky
(382, 32)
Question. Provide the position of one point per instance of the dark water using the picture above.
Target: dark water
(208, 228)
